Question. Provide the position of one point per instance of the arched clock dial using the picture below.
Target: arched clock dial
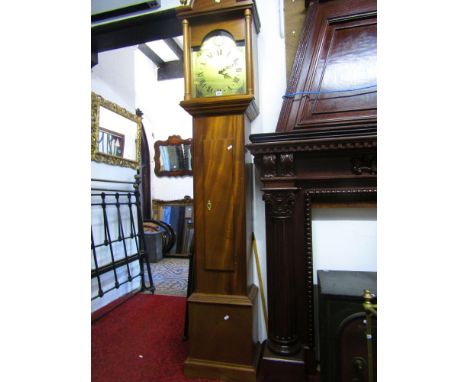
(218, 66)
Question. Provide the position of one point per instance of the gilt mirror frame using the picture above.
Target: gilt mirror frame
(156, 203)
(173, 140)
(97, 102)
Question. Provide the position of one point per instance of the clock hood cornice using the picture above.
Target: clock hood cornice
(202, 9)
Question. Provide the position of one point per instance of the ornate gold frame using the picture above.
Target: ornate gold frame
(173, 140)
(96, 102)
(186, 201)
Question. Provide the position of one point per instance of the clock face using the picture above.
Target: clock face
(218, 67)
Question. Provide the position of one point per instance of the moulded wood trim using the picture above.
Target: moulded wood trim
(208, 9)
(321, 144)
(222, 105)
(225, 299)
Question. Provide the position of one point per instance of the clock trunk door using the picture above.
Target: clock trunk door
(219, 167)
(219, 204)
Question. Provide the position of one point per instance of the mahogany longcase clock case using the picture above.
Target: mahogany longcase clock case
(219, 81)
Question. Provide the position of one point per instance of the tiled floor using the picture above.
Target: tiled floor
(170, 276)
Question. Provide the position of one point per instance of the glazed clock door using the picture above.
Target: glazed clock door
(218, 66)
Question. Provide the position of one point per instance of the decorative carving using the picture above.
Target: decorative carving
(300, 146)
(364, 164)
(286, 165)
(337, 191)
(309, 281)
(269, 165)
(281, 203)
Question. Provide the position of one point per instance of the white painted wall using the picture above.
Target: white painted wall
(163, 117)
(272, 85)
(113, 79)
(344, 239)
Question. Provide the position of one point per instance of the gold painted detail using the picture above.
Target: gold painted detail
(96, 102)
(209, 205)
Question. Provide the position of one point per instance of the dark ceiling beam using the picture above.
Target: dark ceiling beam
(171, 43)
(126, 10)
(94, 59)
(166, 70)
(136, 30)
(171, 70)
(148, 52)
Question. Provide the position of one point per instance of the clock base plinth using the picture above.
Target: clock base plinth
(220, 337)
(231, 372)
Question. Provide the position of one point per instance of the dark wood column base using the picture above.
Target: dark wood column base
(277, 368)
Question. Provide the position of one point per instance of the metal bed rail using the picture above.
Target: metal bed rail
(120, 235)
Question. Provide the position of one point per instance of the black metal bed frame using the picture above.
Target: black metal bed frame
(120, 199)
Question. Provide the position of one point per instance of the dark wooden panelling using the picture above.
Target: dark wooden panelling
(347, 60)
(337, 52)
(315, 167)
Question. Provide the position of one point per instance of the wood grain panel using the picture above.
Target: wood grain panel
(219, 206)
(235, 27)
(336, 58)
(221, 321)
(348, 60)
(219, 176)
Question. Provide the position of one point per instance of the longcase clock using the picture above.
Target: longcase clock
(219, 75)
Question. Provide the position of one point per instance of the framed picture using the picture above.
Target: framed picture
(110, 142)
(115, 134)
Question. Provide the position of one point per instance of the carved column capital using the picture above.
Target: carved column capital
(281, 203)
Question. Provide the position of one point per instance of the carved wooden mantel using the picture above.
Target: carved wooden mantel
(324, 150)
(297, 169)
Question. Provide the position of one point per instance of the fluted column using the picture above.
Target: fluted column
(283, 338)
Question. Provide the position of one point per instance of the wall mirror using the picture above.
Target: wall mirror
(173, 157)
(179, 215)
(115, 134)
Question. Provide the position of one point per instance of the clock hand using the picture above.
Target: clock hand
(222, 72)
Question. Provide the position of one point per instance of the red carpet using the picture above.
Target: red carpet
(141, 341)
